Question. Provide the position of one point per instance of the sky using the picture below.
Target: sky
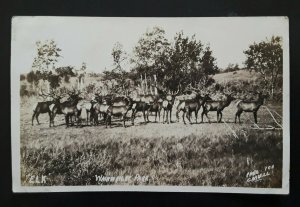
(91, 39)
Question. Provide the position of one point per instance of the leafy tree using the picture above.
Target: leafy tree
(266, 58)
(65, 72)
(209, 62)
(151, 53)
(47, 55)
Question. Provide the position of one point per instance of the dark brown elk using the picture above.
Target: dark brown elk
(119, 107)
(155, 107)
(67, 108)
(192, 105)
(44, 107)
(250, 106)
(217, 106)
(142, 103)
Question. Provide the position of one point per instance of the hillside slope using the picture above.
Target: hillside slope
(236, 75)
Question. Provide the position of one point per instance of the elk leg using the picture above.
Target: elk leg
(159, 115)
(49, 118)
(155, 115)
(164, 116)
(207, 117)
(189, 116)
(37, 118)
(255, 116)
(177, 115)
(183, 117)
(67, 120)
(34, 113)
(220, 116)
(196, 115)
(217, 116)
(132, 117)
(170, 115)
(238, 115)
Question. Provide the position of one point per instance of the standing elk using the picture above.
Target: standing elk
(119, 107)
(44, 107)
(68, 108)
(250, 106)
(167, 106)
(191, 105)
(100, 108)
(143, 104)
(156, 107)
(217, 106)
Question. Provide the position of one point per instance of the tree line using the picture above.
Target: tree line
(182, 62)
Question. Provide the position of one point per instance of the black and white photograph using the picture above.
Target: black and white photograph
(180, 104)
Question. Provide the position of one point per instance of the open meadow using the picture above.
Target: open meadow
(203, 154)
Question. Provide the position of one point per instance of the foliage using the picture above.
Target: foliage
(231, 67)
(266, 58)
(180, 63)
(47, 54)
(22, 77)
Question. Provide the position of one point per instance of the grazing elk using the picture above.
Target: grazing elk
(68, 108)
(250, 106)
(120, 107)
(217, 106)
(44, 107)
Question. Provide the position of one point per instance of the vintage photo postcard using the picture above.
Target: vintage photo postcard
(150, 104)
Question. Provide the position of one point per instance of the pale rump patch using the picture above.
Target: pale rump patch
(34, 106)
(133, 106)
(51, 107)
(83, 114)
(165, 103)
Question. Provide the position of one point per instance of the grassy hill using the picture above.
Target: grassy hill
(236, 75)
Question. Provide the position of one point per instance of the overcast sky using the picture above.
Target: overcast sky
(91, 39)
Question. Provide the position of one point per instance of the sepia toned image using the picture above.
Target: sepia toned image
(150, 104)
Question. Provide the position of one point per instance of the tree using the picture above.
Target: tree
(151, 53)
(209, 62)
(118, 73)
(47, 55)
(266, 58)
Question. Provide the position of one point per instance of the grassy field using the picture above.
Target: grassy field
(170, 154)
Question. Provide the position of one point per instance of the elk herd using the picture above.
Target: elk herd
(78, 110)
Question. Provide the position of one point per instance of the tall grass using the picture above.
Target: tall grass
(209, 161)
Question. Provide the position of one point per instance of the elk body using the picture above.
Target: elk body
(192, 105)
(249, 106)
(143, 104)
(167, 106)
(68, 108)
(100, 108)
(84, 108)
(120, 107)
(45, 107)
(217, 106)
(156, 108)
